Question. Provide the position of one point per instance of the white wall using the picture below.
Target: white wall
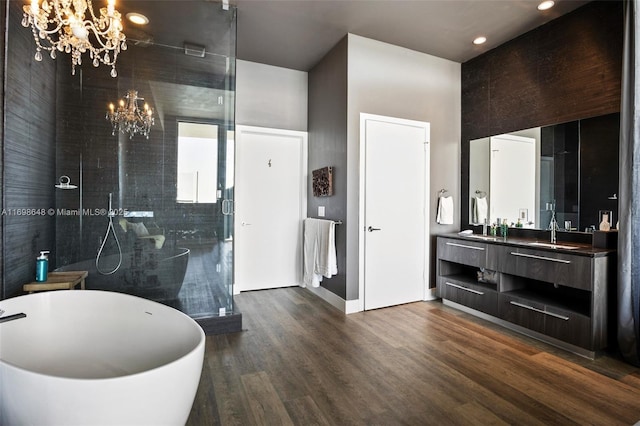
(388, 80)
(268, 96)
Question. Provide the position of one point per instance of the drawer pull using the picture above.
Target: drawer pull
(470, 290)
(533, 256)
(463, 246)
(531, 308)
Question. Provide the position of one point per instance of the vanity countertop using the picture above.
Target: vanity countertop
(537, 244)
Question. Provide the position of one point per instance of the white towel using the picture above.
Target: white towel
(319, 251)
(481, 209)
(445, 211)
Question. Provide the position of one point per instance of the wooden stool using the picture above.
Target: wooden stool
(67, 280)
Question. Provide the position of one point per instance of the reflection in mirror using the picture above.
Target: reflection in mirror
(525, 176)
(197, 163)
(505, 180)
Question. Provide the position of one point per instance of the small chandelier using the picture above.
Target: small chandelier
(128, 118)
(62, 26)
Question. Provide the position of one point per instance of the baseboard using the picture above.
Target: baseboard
(353, 306)
(431, 294)
(345, 306)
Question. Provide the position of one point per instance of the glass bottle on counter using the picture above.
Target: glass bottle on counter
(504, 228)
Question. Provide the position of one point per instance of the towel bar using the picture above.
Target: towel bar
(337, 222)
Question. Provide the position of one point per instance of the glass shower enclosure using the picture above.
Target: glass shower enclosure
(151, 215)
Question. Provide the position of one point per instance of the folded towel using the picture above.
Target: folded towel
(481, 209)
(319, 251)
(445, 211)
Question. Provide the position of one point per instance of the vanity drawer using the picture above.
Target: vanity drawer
(569, 327)
(549, 266)
(473, 296)
(561, 324)
(522, 312)
(464, 252)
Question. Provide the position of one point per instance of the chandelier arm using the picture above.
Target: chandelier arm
(35, 19)
(99, 34)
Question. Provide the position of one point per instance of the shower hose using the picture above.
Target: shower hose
(111, 229)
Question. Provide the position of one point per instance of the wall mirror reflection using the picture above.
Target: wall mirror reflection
(523, 177)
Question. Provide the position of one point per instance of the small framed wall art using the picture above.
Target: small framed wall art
(322, 182)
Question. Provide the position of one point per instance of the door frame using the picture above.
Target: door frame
(364, 117)
(243, 129)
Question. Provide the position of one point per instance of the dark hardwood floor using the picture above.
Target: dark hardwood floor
(302, 362)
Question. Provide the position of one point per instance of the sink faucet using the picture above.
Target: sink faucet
(553, 226)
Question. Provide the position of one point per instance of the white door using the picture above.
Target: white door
(270, 206)
(396, 182)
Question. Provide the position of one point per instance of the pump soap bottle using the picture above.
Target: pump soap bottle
(42, 266)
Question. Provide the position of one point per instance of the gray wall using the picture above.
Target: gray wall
(364, 75)
(398, 82)
(268, 96)
(328, 147)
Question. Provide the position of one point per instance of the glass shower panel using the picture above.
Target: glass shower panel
(135, 230)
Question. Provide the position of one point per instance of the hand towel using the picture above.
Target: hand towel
(445, 211)
(319, 251)
(481, 209)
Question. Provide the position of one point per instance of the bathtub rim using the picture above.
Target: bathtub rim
(199, 347)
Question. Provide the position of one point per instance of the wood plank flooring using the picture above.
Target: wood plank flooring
(302, 362)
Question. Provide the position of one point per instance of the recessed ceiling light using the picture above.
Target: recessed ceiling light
(546, 5)
(137, 18)
(479, 40)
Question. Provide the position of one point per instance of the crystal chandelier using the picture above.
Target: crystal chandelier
(128, 118)
(71, 26)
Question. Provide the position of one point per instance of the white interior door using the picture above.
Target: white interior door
(396, 182)
(270, 205)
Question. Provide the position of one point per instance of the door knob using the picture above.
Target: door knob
(371, 229)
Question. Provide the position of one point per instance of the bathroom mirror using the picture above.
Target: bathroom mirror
(522, 176)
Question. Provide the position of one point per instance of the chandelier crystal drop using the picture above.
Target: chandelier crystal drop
(71, 26)
(129, 118)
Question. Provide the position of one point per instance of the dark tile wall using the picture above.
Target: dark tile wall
(3, 16)
(29, 152)
(328, 147)
(566, 70)
(140, 173)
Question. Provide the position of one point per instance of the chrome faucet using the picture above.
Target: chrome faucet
(553, 226)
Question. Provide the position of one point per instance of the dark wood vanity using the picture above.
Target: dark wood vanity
(557, 293)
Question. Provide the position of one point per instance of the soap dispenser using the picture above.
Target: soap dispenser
(42, 266)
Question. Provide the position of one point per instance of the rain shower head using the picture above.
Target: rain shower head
(65, 183)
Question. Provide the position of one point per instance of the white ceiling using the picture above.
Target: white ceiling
(296, 34)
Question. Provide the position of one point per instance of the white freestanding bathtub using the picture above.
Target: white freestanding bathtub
(84, 357)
